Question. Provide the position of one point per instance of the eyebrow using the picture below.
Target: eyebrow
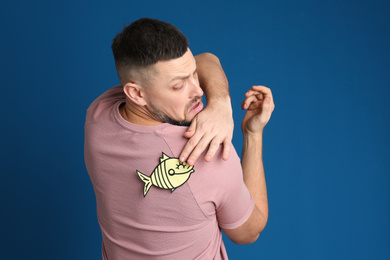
(181, 77)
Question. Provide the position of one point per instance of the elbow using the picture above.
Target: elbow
(208, 56)
(249, 232)
(249, 239)
(253, 236)
(250, 236)
(255, 233)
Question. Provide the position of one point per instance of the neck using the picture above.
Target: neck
(137, 115)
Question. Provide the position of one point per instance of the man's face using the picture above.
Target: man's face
(174, 95)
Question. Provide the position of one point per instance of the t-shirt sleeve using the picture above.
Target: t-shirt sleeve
(234, 201)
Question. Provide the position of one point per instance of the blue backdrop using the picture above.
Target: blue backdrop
(326, 148)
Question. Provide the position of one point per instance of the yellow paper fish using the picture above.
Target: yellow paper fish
(169, 174)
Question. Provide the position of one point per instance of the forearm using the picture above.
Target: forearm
(253, 173)
(259, 105)
(214, 125)
(212, 78)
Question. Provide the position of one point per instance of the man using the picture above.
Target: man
(151, 204)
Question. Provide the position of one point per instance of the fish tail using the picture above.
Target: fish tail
(146, 180)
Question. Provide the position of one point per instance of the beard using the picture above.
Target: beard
(167, 119)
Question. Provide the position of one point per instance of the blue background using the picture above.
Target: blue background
(326, 148)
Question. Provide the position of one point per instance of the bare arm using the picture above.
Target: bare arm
(259, 102)
(214, 125)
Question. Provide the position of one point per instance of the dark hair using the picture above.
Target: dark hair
(144, 43)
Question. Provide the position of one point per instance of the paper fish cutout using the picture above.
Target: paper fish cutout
(169, 174)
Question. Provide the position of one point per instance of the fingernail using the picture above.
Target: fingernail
(190, 162)
(182, 158)
(208, 158)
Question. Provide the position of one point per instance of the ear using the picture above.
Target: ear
(135, 93)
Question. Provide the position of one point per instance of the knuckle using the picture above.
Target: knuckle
(202, 128)
(201, 146)
(184, 152)
(194, 155)
(191, 143)
(194, 141)
(214, 146)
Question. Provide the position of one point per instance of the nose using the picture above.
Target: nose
(196, 90)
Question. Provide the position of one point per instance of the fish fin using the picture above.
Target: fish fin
(164, 157)
(146, 180)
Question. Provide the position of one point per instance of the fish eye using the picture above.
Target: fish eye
(180, 164)
(171, 172)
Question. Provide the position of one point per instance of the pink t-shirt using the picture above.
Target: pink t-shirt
(184, 207)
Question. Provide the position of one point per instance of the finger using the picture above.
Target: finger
(255, 104)
(252, 102)
(266, 110)
(198, 150)
(270, 101)
(247, 101)
(260, 88)
(226, 149)
(253, 93)
(214, 145)
(264, 90)
(191, 130)
(189, 147)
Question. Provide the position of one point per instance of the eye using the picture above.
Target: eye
(178, 87)
(181, 85)
(180, 164)
(171, 172)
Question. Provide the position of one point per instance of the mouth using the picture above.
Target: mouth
(196, 108)
(189, 171)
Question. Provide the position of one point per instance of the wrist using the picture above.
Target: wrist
(216, 91)
(220, 101)
(252, 146)
(253, 136)
(221, 97)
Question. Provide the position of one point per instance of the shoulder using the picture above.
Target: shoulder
(174, 137)
(103, 103)
(224, 176)
(217, 177)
